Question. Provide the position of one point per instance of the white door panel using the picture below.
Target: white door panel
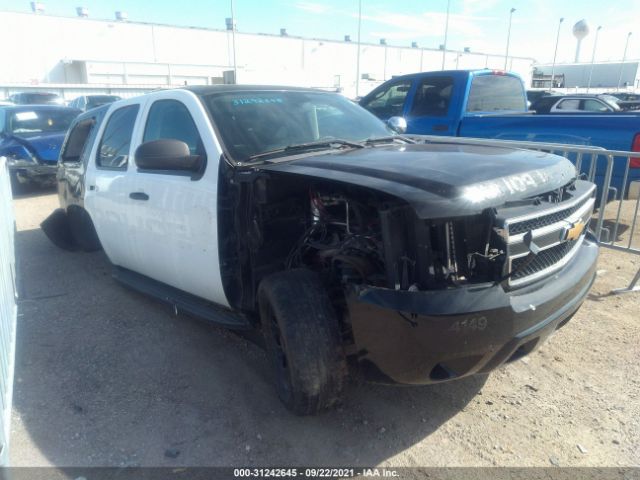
(107, 198)
(176, 229)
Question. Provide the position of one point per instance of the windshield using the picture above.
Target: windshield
(41, 98)
(612, 101)
(252, 123)
(40, 121)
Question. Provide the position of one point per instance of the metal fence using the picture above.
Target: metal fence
(617, 218)
(8, 308)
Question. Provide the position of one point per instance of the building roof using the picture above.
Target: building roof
(209, 89)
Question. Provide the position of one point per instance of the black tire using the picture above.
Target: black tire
(302, 336)
(82, 229)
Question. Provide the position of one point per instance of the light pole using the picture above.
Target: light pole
(233, 44)
(506, 55)
(624, 57)
(593, 57)
(358, 56)
(446, 33)
(555, 53)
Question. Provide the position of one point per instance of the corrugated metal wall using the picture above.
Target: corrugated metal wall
(8, 308)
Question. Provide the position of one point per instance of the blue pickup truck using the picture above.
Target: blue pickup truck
(493, 104)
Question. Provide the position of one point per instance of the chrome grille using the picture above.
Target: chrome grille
(551, 228)
(545, 259)
(542, 221)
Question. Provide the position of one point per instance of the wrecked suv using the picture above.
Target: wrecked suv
(298, 214)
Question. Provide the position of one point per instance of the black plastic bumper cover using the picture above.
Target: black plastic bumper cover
(431, 336)
(35, 172)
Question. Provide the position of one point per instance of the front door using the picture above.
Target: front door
(431, 111)
(174, 214)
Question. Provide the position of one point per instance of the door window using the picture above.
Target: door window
(113, 151)
(170, 119)
(77, 140)
(388, 102)
(594, 106)
(571, 104)
(432, 97)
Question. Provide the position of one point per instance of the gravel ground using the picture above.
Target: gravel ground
(107, 377)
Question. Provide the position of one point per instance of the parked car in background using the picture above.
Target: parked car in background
(36, 98)
(30, 138)
(493, 104)
(298, 214)
(87, 102)
(534, 95)
(626, 96)
(578, 103)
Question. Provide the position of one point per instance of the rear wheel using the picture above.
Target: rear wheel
(302, 335)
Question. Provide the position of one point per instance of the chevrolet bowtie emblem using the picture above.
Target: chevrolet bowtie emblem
(574, 231)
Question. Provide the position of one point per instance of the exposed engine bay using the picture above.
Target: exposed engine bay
(386, 245)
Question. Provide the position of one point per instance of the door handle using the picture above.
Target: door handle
(440, 128)
(138, 196)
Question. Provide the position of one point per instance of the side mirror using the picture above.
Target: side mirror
(166, 154)
(397, 124)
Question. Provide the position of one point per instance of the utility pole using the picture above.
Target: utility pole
(624, 57)
(593, 57)
(555, 53)
(446, 33)
(233, 43)
(358, 56)
(506, 55)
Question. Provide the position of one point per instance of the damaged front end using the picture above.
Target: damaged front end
(427, 300)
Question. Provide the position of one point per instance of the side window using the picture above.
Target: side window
(570, 104)
(77, 140)
(170, 119)
(432, 97)
(594, 106)
(388, 102)
(113, 151)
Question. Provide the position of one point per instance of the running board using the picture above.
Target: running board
(182, 301)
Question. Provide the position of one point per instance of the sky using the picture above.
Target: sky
(480, 25)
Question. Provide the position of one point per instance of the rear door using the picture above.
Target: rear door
(108, 183)
(173, 214)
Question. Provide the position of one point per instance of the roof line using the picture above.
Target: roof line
(288, 36)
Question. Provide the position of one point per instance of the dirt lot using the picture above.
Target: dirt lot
(105, 376)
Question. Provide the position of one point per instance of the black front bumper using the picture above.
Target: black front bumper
(432, 336)
(34, 172)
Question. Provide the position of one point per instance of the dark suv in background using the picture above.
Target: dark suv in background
(87, 102)
(36, 98)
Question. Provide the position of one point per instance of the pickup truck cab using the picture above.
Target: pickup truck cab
(493, 104)
(298, 214)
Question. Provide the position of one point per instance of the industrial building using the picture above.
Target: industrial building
(604, 75)
(73, 55)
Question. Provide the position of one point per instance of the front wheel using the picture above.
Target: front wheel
(302, 335)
